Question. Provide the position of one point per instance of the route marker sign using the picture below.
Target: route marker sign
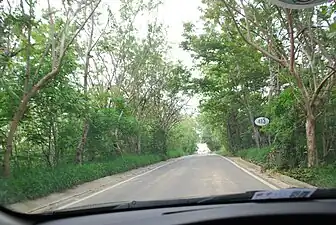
(261, 121)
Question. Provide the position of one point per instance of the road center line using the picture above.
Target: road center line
(117, 184)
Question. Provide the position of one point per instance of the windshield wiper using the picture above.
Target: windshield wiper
(291, 194)
(89, 207)
(139, 205)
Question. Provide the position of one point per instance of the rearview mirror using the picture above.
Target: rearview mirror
(298, 4)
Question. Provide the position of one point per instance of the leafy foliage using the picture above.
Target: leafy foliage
(81, 100)
(261, 60)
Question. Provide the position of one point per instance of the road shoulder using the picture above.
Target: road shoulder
(276, 179)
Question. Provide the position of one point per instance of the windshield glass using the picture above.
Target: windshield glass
(137, 100)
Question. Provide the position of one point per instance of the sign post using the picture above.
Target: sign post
(261, 121)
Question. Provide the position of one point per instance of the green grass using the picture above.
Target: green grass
(323, 176)
(255, 155)
(39, 182)
(175, 153)
(222, 151)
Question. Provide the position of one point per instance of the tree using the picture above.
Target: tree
(77, 87)
(296, 42)
(31, 88)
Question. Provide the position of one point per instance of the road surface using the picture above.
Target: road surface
(193, 176)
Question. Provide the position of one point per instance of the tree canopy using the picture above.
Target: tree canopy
(80, 84)
(261, 60)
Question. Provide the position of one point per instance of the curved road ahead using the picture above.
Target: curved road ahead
(192, 176)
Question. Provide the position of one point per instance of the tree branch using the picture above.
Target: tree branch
(77, 32)
(319, 88)
(266, 53)
(292, 57)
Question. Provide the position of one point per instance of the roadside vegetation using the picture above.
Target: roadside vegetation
(261, 60)
(320, 176)
(84, 95)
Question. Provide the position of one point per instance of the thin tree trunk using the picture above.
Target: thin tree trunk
(80, 147)
(12, 130)
(324, 136)
(272, 91)
(256, 133)
(256, 136)
(57, 154)
(311, 140)
(228, 133)
(139, 144)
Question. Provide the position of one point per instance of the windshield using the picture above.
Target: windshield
(138, 100)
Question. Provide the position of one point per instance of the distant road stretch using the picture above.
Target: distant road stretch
(192, 176)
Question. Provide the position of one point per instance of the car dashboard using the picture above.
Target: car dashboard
(297, 212)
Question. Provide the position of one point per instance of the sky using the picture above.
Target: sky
(172, 13)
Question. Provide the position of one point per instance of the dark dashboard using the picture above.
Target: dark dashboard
(300, 212)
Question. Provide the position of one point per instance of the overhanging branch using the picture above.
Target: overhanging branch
(266, 53)
(319, 88)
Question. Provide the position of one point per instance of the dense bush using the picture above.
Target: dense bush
(175, 153)
(321, 176)
(255, 155)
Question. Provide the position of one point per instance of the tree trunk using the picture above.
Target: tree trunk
(139, 143)
(311, 140)
(116, 144)
(256, 134)
(80, 147)
(81, 144)
(12, 130)
(228, 133)
(9, 147)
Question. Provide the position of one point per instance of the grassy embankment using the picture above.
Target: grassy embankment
(41, 181)
(322, 176)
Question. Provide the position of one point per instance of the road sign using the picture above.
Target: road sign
(298, 4)
(261, 121)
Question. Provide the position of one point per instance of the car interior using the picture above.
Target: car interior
(293, 212)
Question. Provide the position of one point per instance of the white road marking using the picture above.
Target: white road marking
(115, 185)
(251, 174)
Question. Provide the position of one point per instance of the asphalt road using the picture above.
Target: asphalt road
(193, 176)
